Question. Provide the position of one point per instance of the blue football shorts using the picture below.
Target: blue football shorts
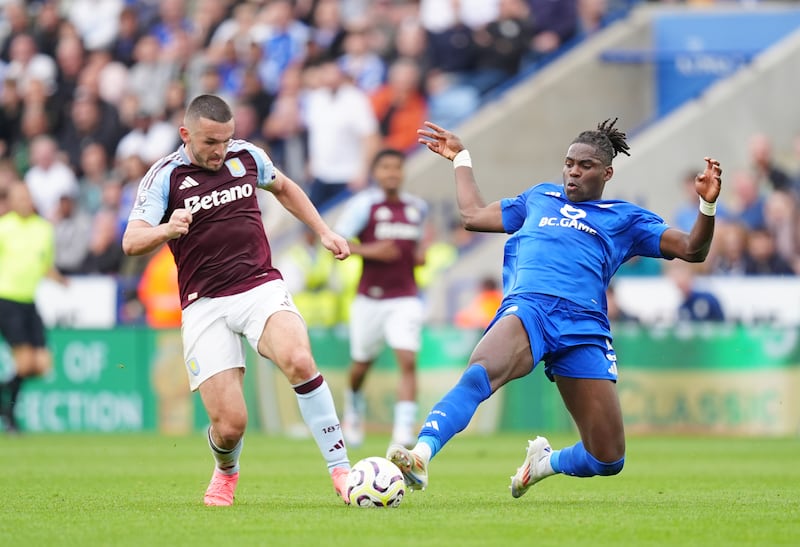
(570, 341)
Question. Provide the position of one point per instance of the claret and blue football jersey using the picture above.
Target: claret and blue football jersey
(370, 216)
(219, 256)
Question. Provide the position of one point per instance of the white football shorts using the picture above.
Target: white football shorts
(395, 321)
(212, 328)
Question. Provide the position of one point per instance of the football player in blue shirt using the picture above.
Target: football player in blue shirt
(566, 243)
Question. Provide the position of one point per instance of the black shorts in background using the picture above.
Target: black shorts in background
(20, 323)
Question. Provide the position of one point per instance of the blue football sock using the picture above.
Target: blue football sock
(431, 441)
(555, 456)
(454, 411)
(576, 461)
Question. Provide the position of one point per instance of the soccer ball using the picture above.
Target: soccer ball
(375, 482)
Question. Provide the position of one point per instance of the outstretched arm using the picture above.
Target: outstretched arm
(694, 246)
(475, 215)
(295, 200)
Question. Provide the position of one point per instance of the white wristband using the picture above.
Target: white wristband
(708, 209)
(462, 159)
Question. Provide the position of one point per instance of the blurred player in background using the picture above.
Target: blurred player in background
(201, 201)
(566, 244)
(27, 254)
(385, 226)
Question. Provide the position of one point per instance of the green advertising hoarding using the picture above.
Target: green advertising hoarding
(115, 380)
(96, 384)
(723, 379)
(711, 378)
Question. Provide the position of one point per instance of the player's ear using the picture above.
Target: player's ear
(609, 173)
(184, 133)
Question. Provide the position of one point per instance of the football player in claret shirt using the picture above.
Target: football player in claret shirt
(201, 201)
(385, 226)
(566, 244)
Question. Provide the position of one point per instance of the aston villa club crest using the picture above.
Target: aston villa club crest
(193, 366)
(235, 166)
(412, 214)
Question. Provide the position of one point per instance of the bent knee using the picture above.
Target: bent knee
(298, 366)
(230, 429)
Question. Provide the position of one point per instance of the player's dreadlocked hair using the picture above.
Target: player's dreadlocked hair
(607, 140)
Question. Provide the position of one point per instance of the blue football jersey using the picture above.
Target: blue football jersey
(572, 250)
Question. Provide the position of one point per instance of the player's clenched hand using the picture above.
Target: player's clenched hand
(709, 183)
(440, 140)
(178, 224)
(336, 244)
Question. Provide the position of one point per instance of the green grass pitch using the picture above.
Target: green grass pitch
(147, 490)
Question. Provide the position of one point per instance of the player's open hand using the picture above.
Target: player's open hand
(440, 140)
(179, 222)
(709, 183)
(336, 244)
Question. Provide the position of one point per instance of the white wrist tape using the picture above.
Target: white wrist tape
(708, 209)
(462, 159)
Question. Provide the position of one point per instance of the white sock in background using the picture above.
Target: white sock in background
(405, 419)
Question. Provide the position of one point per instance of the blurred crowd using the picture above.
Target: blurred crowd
(757, 230)
(758, 219)
(93, 91)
